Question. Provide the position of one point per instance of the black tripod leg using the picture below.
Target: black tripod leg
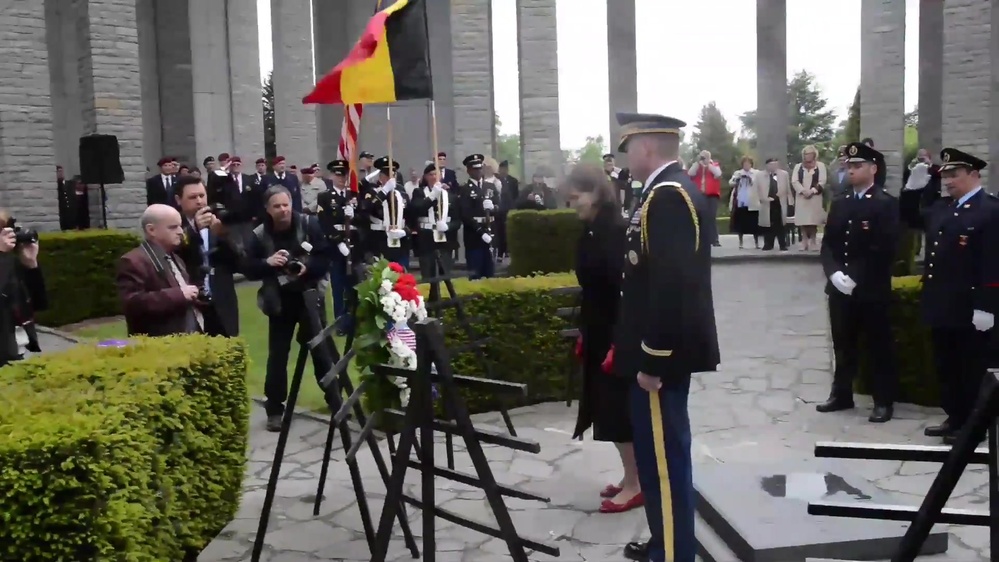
(289, 413)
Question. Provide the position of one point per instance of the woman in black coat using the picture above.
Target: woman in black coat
(600, 261)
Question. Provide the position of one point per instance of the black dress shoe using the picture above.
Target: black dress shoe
(637, 551)
(941, 430)
(274, 423)
(835, 405)
(881, 414)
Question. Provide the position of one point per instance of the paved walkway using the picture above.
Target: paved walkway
(758, 407)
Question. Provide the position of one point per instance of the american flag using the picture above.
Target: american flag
(405, 334)
(348, 139)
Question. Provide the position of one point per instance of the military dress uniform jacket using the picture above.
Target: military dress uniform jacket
(474, 218)
(962, 248)
(861, 240)
(330, 207)
(421, 205)
(372, 207)
(667, 320)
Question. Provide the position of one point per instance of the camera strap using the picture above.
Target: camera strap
(154, 257)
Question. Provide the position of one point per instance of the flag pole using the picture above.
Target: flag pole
(433, 104)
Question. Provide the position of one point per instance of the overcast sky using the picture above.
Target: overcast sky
(823, 38)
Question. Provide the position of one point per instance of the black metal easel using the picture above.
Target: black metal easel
(571, 315)
(337, 379)
(433, 368)
(954, 460)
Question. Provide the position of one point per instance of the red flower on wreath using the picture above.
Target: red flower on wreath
(407, 292)
(407, 279)
(396, 267)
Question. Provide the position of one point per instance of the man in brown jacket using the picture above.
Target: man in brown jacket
(155, 290)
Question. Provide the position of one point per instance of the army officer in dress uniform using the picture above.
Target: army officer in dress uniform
(858, 250)
(666, 330)
(478, 200)
(334, 209)
(385, 207)
(960, 285)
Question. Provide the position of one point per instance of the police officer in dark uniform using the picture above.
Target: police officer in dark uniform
(666, 329)
(858, 250)
(335, 212)
(478, 202)
(385, 205)
(437, 218)
(960, 285)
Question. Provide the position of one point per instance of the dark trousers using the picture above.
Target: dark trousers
(338, 286)
(713, 224)
(429, 268)
(501, 235)
(854, 321)
(397, 255)
(280, 331)
(776, 230)
(661, 427)
(960, 356)
(480, 263)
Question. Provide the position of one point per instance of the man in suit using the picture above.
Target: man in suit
(159, 188)
(839, 177)
(773, 186)
(448, 176)
(858, 250)
(288, 180)
(666, 328)
(209, 257)
(157, 296)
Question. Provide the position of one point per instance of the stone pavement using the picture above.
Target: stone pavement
(759, 407)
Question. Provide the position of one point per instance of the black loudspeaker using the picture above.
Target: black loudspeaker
(100, 162)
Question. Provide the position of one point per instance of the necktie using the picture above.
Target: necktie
(198, 318)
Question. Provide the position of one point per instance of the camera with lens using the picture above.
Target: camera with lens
(224, 215)
(22, 235)
(295, 266)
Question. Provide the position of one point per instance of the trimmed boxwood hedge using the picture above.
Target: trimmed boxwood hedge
(542, 241)
(79, 269)
(129, 454)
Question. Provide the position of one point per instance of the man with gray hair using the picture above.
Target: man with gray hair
(157, 296)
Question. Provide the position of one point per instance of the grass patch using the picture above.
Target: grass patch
(253, 329)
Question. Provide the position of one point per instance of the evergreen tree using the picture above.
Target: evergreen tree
(712, 133)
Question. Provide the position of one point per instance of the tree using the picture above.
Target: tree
(508, 148)
(851, 130)
(712, 133)
(591, 152)
(912, 117)
(811, 122)
(270, 133)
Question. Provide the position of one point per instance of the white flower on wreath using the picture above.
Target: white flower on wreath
(417, 309)
(395, 307)
(385, 288)
(402, 356)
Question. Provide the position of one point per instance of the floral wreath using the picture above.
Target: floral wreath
(386, 301)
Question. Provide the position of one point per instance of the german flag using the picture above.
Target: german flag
(389, 63)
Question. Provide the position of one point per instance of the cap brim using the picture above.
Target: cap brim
(855, 159)
(955, 166)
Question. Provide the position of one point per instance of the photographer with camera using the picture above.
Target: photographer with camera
(22, 290)
(209, 257)
(289, 254)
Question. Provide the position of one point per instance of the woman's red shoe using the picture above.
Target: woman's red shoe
(610, 507)
(610, 491)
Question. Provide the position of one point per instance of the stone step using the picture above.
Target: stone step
(710, 547)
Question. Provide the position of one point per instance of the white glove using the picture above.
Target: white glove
(538, 199)
(487, 205)
(487, 239)
(442, 226)
(344, 250)
(435, 193)
(842, 283)
(389, 186)
(397, 234)
(983, 321)
(348, 211)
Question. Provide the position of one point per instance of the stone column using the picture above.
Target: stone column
(245, 81)
(622, 63)
(295, 123)
(152, 128)
(931, 42)
(108, 51)
(26, 136)
(333, 38)
(472, 72)
(882, 83)
(67, 114)
(771, 80)
(967, 71)
(213, 115)
(176, 83)
(537, 44)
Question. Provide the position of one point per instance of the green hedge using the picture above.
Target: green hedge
(133, 454)
(913, 350)
(542, 241)
(525, 346)
(79, 269)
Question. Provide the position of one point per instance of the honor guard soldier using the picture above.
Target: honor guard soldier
(478, 201)
(438, 218)
(666, 330)
(385, 206)
(858, 250)
(960, 285)
(335, 212)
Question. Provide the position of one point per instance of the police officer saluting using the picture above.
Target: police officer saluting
(335, 212)
(386, 207)
(858, 249)
(478, 201)
(960, 285)
(666, 330)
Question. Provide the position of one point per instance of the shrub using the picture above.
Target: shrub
(525, 347)
(133, 454)
(542, 241)
(79, 270)
(913, 350)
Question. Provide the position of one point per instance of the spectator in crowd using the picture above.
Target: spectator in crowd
(809, 180)
(537, 195)
(773, 187)
(195, 172)
(159, 188)
(839, 179)
(508, 202)
(287, 179)
(603, 404)
(22, 293)
(312, 186)
(706, 174)
(744, 203)
(413, 183)
(183, 170)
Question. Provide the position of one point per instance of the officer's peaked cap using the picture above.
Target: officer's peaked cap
(860, 152)
(473, 161)
(646, 124)
(338, 167)
(382, 165)
(953, 158)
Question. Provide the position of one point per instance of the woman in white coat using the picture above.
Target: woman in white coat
(808, 179)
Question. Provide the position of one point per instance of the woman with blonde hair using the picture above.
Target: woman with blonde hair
(808, 179)
(603, 404)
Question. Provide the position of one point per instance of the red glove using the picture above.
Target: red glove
(579, 347)
(608, 364)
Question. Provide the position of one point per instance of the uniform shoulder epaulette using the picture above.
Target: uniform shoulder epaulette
(676, 186)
